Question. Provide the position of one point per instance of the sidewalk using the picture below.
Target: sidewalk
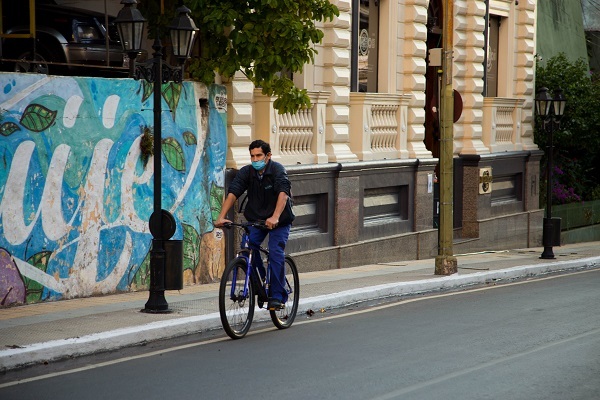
(50, 331)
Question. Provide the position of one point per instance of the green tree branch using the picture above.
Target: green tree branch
(264, 39)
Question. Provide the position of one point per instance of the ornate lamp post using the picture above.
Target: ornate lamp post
(130, 23)
(551, 110)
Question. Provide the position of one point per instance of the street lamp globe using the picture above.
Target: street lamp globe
(559, 103)
(183, 33)
(543, 102)
(130, 24)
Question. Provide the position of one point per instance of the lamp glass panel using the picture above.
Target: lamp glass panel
(126, 33)
(138, 30)
(182, 40)
(559, 107)
(191, 44)
(131, 35)
(547, 106)
(543, 106)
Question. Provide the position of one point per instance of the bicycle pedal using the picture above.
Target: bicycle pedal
(277, 308)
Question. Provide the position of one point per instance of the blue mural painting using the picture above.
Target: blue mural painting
(76, 181)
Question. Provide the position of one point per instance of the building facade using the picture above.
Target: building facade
(363, 159)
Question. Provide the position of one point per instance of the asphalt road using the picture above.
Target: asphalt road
(537, 339)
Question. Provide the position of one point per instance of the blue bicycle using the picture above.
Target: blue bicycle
(242, 285)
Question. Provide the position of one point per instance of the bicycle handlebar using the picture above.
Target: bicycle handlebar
(245, 225)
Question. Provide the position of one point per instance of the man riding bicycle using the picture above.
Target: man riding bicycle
(268, 199)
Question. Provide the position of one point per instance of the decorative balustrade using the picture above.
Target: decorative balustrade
(295, 138)
(384, 128)
(378, 125)
(502, 124)
(296, 133)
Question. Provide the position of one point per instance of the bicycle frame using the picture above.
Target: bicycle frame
(251, 272)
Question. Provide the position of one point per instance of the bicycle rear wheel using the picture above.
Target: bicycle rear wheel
(284, 318)
(236, 308)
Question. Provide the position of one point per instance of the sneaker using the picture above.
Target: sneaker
(275, 305)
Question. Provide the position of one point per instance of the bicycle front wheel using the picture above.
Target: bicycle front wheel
(236, 299)
(284, 318)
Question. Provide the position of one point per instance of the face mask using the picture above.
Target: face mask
(258, 165)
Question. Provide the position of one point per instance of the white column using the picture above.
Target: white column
(413, 74)
(525, 68)
(469, 44)
(336, 80)
(240, 98)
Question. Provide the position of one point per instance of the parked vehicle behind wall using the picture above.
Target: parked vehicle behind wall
(69, 41)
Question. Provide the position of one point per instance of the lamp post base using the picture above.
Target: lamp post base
(156, 304)
(156, 300)
(548, 239)
(547, 254)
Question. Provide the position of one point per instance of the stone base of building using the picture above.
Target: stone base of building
(359, 213)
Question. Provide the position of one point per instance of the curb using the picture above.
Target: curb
(341, 299)
(124, 337)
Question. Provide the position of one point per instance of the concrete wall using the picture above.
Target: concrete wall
(352, 214)
(367, 230)
(560, 29)
(75, 195)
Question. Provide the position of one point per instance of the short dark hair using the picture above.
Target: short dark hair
(264, 146)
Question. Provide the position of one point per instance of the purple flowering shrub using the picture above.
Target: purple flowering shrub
(562, 193)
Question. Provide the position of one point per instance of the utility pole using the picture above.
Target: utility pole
(445, 262)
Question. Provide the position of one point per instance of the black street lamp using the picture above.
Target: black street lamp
(130, 23)
(551, 110)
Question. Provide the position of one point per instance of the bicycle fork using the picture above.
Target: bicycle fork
(235, 294)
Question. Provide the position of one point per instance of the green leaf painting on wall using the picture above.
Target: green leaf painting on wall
(37, 118)
(216, 200)
(147, 88)
(8, 128)
(190, 138)
(141, 279)
(34, 289)
(174, 153)
(172, 92)
(191, 247)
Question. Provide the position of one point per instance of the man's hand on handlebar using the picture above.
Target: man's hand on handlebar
(272, 222)
(221, 222)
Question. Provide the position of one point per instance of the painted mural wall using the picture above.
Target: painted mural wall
(76, 188)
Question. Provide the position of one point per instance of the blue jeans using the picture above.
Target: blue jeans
(278, 238)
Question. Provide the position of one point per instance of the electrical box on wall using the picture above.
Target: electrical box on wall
(435, 57)
(485, 180)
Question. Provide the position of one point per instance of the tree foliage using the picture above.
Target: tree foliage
(577, 141)
(264, 39)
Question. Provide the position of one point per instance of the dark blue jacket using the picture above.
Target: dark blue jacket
(262, 193)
